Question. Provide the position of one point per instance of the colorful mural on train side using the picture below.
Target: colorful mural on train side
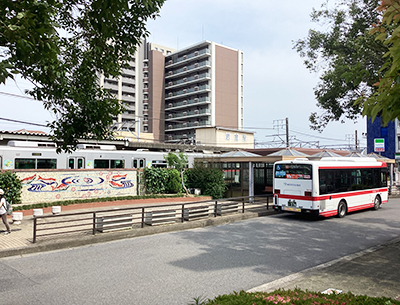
(50, 186)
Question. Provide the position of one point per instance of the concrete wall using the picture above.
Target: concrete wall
(52, 186)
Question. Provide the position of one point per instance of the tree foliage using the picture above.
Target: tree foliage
(62, 47)
(348, 59)
(11, 185)
(385, 101)
(210, 180)
(178, 161)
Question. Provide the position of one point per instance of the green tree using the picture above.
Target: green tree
(180, 163)
(385, 100)
(11, 185)
(210, 180)
(62, 47)
(348, 59)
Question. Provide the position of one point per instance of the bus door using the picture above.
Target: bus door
(139, 163)
(76, 162)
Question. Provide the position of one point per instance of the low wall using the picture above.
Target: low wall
(58, 185)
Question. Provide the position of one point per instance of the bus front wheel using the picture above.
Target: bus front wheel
(377, 203)
(342, 209)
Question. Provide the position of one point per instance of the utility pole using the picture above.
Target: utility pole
(356, 141)
(287, 132)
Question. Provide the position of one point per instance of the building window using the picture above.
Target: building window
(228, 136)
(244, 138)
(236, 137)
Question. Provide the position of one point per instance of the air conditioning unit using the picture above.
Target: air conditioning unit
(185, 79)
(170, 116)
(169, 126)
(184, 91)
(184, 102)
(196, 88)
(196, 111)
(196, 100)
(170, 73)
(184, 136)
(196, 53)
(170, 62)
(184, 125)
(170, 105)
(184, 68)
(170, 138)
(196, 65)
(184, 57)
(184, 113)
(196, 76)
(170, 94)
(196, 123)
(170, 84)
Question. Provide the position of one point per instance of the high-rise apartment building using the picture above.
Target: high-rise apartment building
(169, 93)
(203, 87)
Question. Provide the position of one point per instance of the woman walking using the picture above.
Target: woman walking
(3, 212)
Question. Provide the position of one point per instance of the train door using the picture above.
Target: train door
(139, 163)
(76, 162)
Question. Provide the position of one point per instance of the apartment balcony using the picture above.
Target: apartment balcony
(187, 92)
(204, 53)
(188, 80)
(131, 71)
(145, 111)
(145, 69)
(129, 116)
(185, 126)
(145, 122)
(184, 104)
(188, 114)
(145, 90)
(194, 67)
(111, 85)
(145, 80)
(129, 106)
(128, 97)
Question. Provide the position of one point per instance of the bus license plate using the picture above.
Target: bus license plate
(291, 209)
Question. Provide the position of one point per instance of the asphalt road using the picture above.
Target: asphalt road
(174, 268)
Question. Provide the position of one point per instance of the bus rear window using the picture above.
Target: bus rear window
(293, 171)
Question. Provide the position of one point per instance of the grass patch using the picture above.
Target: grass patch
(296, 297)
(88, 200)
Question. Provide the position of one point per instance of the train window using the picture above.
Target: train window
(139, 163)
(78, 161)
(117, 164)
(35, 163)
(71, 163)
(46, 163)
(101, 163)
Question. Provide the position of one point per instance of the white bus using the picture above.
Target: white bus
(330, 186)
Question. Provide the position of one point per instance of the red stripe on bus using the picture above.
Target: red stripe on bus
(333, 196)
(347, 167)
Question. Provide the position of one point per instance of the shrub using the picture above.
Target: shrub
(209, 180)
(11, 186)
(296, 297)
(174, 184)
(155, 180)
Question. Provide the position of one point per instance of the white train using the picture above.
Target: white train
(42, 155)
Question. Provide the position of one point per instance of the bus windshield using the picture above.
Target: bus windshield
(293, 171)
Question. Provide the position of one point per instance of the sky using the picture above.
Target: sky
(276, 83)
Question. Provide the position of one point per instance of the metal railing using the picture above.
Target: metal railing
(138, 217)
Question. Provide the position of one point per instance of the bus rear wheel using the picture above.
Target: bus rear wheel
(342, 209)
(377, 203)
